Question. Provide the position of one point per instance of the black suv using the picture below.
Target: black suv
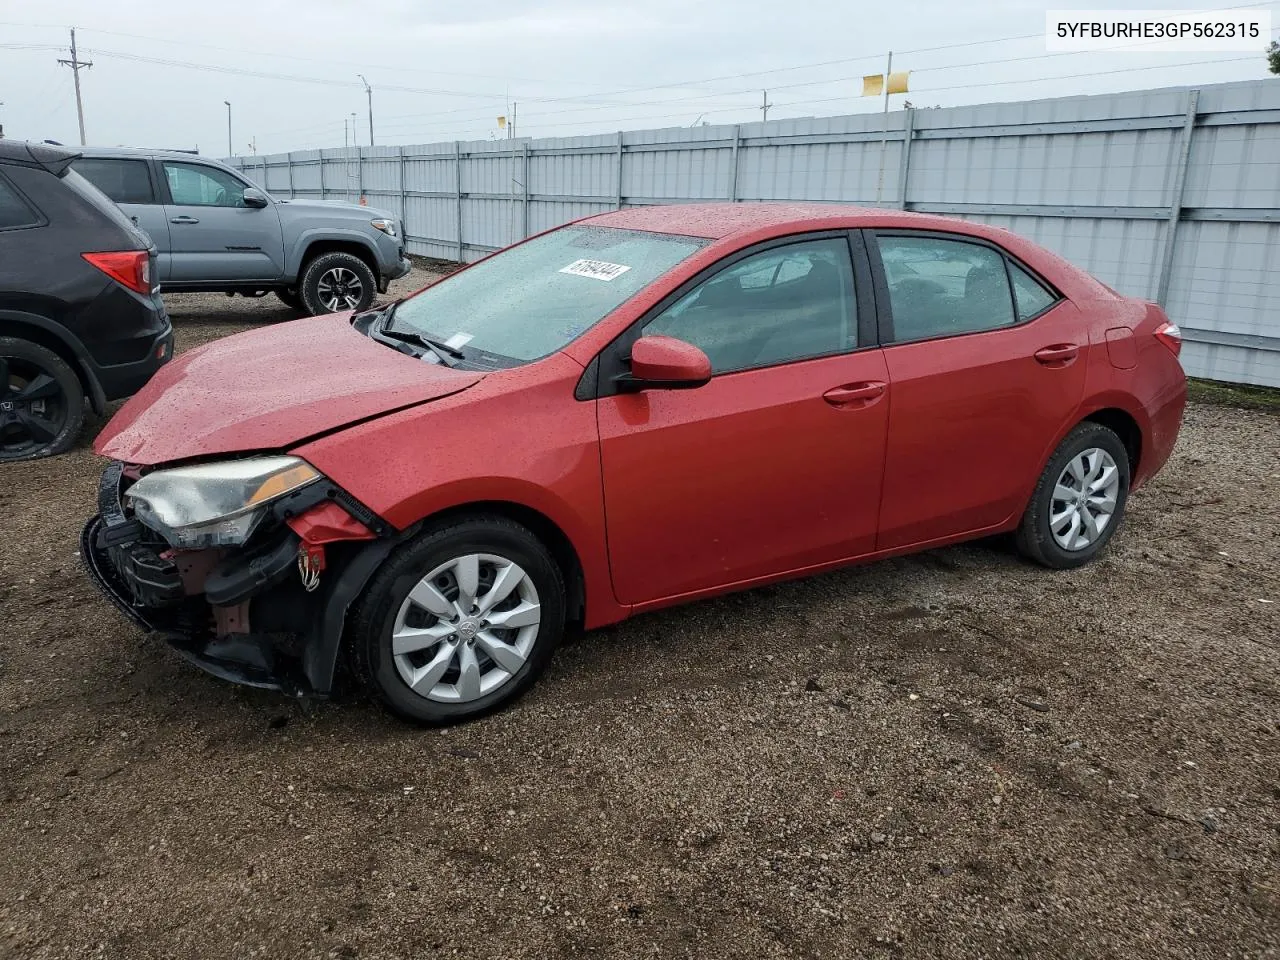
(80, 310)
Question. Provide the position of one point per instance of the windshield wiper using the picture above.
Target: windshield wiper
(438, 347)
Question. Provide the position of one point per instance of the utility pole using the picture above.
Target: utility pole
(230, 150)
(884, 128)
(75, 63)
(511, 127)
(764, 105)
(346, 139)
(368, 91)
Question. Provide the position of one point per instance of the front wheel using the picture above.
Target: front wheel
(460, 622)
(1079, 502)
(334, 282)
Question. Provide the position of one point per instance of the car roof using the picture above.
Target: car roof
(46, 156)
(141, 152)
(717, 221)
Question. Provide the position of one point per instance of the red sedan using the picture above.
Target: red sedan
(628, 412)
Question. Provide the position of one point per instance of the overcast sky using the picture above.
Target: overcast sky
(573, 66)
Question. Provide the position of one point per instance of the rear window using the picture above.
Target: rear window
(14, 211)
(124, 181)
(102, 203)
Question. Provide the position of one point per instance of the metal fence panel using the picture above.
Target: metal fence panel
(1170, 195)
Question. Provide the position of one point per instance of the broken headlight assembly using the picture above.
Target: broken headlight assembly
(215, 504)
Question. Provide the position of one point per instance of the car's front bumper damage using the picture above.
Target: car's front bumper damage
(244, 614)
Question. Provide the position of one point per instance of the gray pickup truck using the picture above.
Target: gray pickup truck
(215, 230)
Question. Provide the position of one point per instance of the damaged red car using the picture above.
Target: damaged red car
(631, 411)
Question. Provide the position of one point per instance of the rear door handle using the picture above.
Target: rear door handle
(1059, 354)
(855, 394)
(183, 220)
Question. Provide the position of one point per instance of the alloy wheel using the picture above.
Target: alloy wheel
(466, 628)
(33, 410)
(1084, 499)
(339, 289)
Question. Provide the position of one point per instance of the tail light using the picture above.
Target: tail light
(1169, 334)
(130, 267)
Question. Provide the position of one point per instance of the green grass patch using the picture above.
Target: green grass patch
(1234, 395)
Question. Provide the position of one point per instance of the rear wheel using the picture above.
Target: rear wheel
(338, 281)
(41, 401)
(460, 622)
(1079, 502)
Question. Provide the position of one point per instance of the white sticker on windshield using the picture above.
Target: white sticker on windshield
(595, 269)
(459, 340)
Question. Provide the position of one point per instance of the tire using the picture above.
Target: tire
(41, 402)
(290, 298)
(1085, 448)
(319, 293)
(448, 647)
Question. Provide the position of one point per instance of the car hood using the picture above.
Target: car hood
(335, 206)
(269, 389)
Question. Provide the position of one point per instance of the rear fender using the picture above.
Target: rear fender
(56, 337)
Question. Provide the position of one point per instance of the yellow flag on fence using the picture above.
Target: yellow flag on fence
(873, 84)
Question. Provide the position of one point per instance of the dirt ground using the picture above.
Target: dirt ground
(949, 755)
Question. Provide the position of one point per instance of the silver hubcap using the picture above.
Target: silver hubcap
(466, 628)
(340, 289)
(1084, 499)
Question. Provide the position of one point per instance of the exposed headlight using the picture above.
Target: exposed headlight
(215, 504)
(386, 226)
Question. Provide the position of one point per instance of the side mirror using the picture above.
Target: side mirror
(665, 363)
(253, 197)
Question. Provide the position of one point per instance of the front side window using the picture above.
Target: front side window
(14, 211)
(193, 184)
(782, 304)
(124, 181)
(535, 298)
(940, 287)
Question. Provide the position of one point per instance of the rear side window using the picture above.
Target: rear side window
(941, 288)
(14, 211)
(124, 181)
(1031, 296)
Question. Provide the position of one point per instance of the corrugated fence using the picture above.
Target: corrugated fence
(1171, 195)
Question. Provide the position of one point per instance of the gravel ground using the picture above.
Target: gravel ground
(948, 755)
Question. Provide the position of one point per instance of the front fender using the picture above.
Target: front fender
(297, 246)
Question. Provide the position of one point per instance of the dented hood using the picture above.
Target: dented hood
(269, 389)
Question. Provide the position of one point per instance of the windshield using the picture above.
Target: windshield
(535, 298)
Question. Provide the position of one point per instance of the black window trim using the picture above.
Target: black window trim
(40, 219)
(155, 200)
(195, 162)
(597, 380)
(884, 309)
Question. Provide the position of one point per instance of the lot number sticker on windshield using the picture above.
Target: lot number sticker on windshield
(595, 269)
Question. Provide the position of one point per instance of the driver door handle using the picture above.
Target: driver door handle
(855, 395)
(183, 219)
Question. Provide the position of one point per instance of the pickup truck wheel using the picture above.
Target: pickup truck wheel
(334, 282)
(41, 402)
(290, 298)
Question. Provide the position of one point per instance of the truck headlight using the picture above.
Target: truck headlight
(215, 504)
(386, 226)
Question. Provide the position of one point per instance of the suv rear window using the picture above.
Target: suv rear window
(14, 211)
(124, 181)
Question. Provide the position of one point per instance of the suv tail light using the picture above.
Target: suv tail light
(130, 267)
(1169, 334)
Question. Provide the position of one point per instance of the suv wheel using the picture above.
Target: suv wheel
(460, 621)
(334, 282)
(41, 401)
